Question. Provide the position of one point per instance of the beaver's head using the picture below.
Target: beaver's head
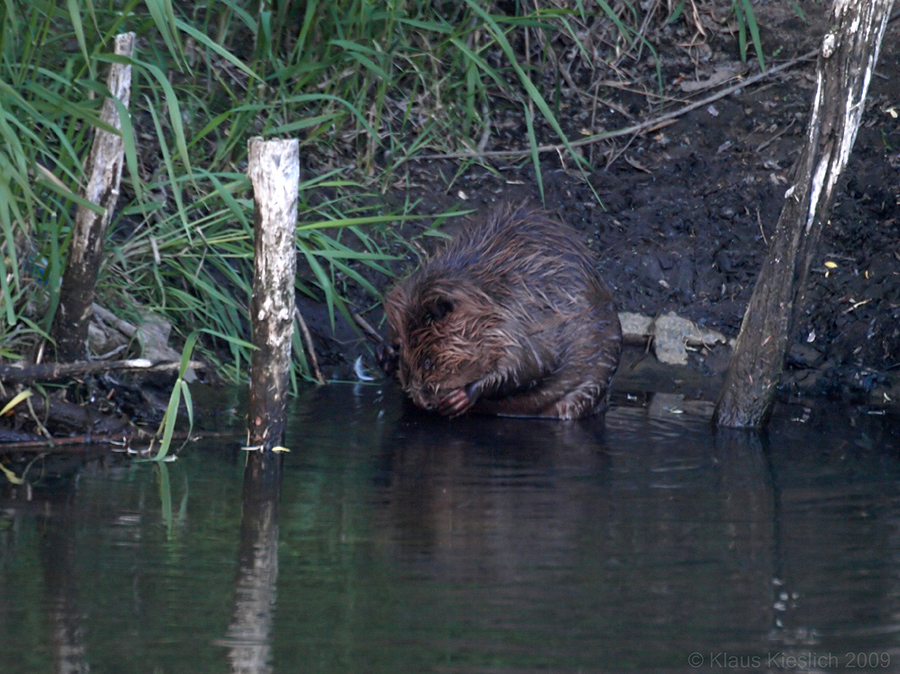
(447, 336)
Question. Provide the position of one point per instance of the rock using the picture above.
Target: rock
(153, 334)
(635, 326)
(108, 334)
(671, 335)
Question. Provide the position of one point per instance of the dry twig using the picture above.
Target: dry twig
(635, 129)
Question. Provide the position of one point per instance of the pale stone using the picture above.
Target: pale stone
(671, 334)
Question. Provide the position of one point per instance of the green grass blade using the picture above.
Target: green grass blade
(78, 27)
(218, 49)
(164, 18)
(752, 26)
(526, 82)
(535, 156)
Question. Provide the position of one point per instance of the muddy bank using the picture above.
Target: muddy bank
(685, 217)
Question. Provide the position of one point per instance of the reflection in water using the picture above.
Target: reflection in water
(630, 536)
(838, 511)
(404, 543)
(249, 633)
(66, 620)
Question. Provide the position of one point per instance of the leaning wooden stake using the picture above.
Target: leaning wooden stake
(846, 63)
(104, 173)
(274, 170)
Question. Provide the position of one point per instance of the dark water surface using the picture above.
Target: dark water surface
(408, 544)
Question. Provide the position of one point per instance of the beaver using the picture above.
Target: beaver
(510, 318)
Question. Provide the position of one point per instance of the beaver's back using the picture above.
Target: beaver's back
(521, 254)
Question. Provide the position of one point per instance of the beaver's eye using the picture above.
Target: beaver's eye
(427, 364)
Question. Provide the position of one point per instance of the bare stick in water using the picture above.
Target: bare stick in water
(274, 170)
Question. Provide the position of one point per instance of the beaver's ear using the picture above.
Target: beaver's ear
(437, 309)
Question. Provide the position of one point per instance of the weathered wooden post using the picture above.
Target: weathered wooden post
(104, 173)
(845, 66)
(274, 170)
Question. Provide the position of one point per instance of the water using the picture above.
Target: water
(410, 544)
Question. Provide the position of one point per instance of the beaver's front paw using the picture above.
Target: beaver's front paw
(455, 403)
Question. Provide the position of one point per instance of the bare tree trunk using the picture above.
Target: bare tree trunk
(104, 172)
(846, 63)
(274, 169)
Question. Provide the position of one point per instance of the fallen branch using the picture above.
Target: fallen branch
(28, 374)
(634, 129)
(114, 321)
(72, 444)
(310, 347)
(87, 443)
(367, 328)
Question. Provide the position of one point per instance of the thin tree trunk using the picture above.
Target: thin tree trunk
(274, 169)
(104, 172)
(845, 66)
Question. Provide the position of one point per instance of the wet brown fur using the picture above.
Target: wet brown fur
(509, 318)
